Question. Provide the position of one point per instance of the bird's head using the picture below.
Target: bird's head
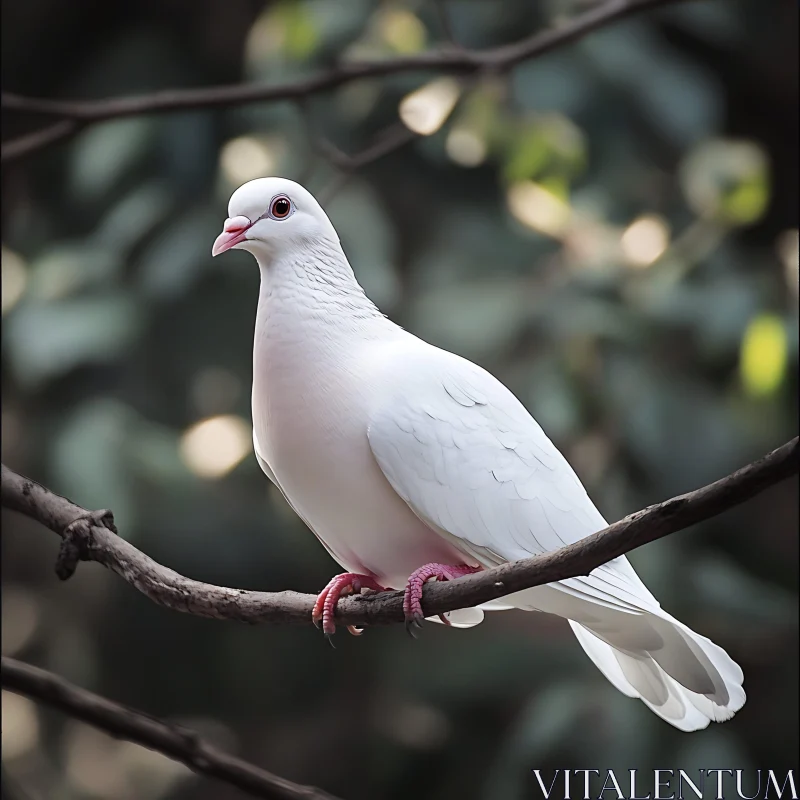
(267, 216)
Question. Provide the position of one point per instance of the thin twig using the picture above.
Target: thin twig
(172, 590)
(445, 60)
(392, 138)
(446, 24)
(173, 741)
(39, 139)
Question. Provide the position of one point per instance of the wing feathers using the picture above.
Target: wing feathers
(467, 457)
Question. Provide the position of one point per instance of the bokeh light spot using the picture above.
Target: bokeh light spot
(20, 726)
(425, 110)
(466, 147)
(644, 240)
(539, 209)
(15, 279)
(245, 158)
(212, 447)
(21, 618)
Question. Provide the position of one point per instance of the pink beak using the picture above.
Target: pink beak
(233, 232)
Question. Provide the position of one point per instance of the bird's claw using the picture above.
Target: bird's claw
(341, 585)
(412, 599)
(413, 623)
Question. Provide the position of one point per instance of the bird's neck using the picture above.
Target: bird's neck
(312, 294)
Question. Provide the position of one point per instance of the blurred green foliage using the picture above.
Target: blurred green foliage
(612, 231)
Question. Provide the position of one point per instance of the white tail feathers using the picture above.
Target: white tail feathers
(684, 678)
(680, 675)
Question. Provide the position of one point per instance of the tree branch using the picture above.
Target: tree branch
(173, 741)
(91, 536)
(39, 139)
(445, 60)
(391, 139)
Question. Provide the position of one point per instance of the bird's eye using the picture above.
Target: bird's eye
(280, 208)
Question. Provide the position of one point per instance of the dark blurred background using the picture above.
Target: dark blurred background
(612, 231)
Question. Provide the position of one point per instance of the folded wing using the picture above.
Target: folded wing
(470, 460)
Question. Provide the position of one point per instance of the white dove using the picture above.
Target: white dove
(410, 463)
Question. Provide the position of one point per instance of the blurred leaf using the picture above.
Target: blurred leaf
(70, 267)
(300, 34)
(550, 149)
(153, 453)
(335, 24)
(580, 317)
(482, 110)
(747, 202)
(727, 180)
(284, 29)
(400, 28)
(713, 22)
(557, 83)
(104, 153)
(88, 459)
(477, 319)
(469, 241)
(556, 185)
(44, 341)
(764, 355)
(527, 157)
(178, 254)
(680, 98)
(662, 416)
(300, 29)
(717, 310)
(133, 216)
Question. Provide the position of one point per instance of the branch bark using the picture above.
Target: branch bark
(81, 114)
(173, 741)
(91, 536)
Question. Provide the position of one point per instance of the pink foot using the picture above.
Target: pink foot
(340, 586)
(412, 604)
